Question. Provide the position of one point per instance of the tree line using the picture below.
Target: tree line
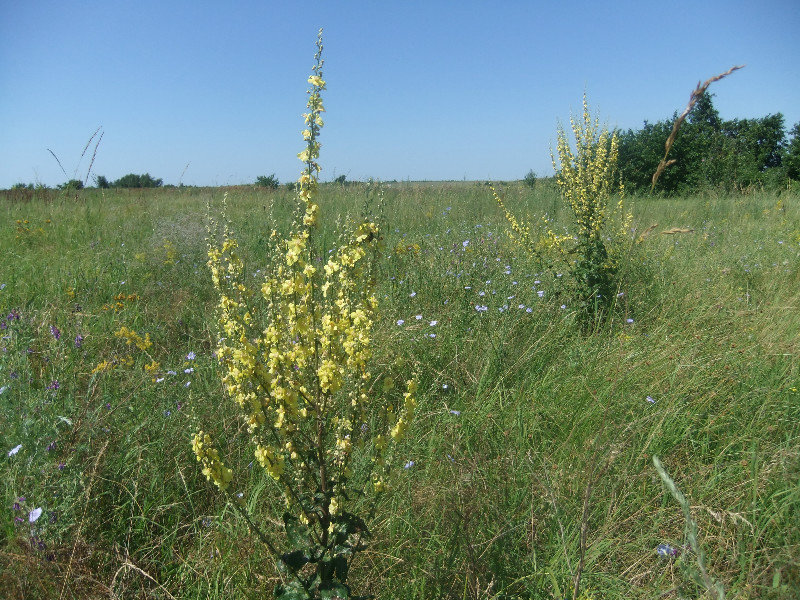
(131, 180)
(710, 152)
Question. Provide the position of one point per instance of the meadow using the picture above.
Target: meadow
(530, 458)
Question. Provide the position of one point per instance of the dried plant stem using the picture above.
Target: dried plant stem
(695, 96)
(94, 155)
(129, 565)
(59, 162)
(92, 478)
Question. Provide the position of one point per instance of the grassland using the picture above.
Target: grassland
(531, 454)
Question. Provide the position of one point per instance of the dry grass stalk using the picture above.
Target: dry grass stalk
(94, 154)
(698, 91)
(92, 478)
(674, 230)
(646, 232)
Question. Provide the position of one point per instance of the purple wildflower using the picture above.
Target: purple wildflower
(666, 550)
(54, 385)
(78, 340)
(54, 331)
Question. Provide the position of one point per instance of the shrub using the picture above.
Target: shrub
(792, 154)
(270, 181)
(72, 184)
(131, 180)
(530, 179)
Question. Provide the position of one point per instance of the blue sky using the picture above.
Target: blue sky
(416, 90)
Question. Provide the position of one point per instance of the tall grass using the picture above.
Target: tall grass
(530, 463)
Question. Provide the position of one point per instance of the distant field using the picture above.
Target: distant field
(528, 426)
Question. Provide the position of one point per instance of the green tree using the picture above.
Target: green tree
(270, 182)
(751, 148)
(530, 179)
(101, 182)
(707, 152)
(72, 184)
(791, 157)
(641, 150)
(131, 180)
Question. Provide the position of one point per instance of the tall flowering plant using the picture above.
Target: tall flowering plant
(588, 179)
(295, 355)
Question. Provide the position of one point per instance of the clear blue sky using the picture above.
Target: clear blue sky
(416, 90)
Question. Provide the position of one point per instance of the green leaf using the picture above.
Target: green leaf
(296, 532)
(334, 591)
(295, 560)
(355, 524)
(340, 567)
(293, 591)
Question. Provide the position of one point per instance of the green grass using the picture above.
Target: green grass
(528, 426)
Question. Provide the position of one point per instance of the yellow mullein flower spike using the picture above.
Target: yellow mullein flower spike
(295, 352)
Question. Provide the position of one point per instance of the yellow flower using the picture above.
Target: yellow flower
(296, 348)
(316, 81)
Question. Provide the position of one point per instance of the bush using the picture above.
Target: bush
(131, 180)
(791, 157)
(72, 184)
(270, 182)
(530, 179)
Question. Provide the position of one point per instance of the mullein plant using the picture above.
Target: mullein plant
(589, 181)
(295, 354)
